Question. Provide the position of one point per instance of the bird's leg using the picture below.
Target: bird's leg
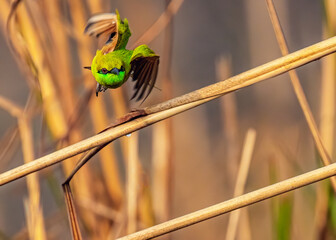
(100, 88)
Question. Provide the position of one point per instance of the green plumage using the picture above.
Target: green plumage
(117, 59)
(114, 64)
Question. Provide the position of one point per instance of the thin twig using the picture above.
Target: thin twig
(180, 104)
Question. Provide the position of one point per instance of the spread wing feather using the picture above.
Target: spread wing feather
(145, 71)
(144, 68)
(104, 26)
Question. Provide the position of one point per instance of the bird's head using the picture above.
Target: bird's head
(109, 71)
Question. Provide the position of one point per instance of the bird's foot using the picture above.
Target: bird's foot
(100, 88)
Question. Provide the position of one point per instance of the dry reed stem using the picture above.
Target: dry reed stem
(328, 86)
(60, 53)
(160, 174)
(235, 203)
(162, 155)
(132, 183)
(327, 117)
(299, 91)
(230, 120)
(241, 180)
(33, 207)
(177, 105)
(160, 23)
(34, 213)
(51, 104)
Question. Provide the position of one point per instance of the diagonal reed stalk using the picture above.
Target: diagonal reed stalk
(235, 203)
(177, 105)
(299, 91)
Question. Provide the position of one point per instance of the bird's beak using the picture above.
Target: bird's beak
(115, 71)
(89, 68)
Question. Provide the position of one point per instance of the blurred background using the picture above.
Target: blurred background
(179, 165)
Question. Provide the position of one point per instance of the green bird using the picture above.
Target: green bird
(114, 64)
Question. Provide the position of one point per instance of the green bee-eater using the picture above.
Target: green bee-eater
(114, 64)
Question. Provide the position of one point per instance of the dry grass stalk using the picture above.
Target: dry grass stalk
(160, 168)
(241, 180)
(33, 207)
(327, 117)
(58, 86)
(230, 119)
(180, 104)
(299, 91)
(327, 105)
(51, 104)
(34, 213)
(162, 160)
(235, 203)
(132, 183)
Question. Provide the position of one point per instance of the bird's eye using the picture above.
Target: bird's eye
(104, 71)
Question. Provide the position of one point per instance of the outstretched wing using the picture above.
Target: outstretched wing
(144, 68)
(104, 26)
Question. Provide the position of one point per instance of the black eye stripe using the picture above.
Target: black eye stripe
(105, 71)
